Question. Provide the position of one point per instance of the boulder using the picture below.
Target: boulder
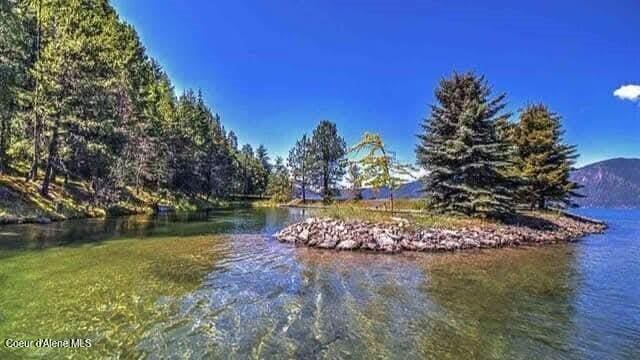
(347, 245)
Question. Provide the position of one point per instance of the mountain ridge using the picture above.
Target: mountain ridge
(613, 183)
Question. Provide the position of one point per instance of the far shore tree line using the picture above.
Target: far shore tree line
(80, 100)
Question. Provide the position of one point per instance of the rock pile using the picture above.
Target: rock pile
(398, 235)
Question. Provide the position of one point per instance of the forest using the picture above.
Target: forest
(81, 100)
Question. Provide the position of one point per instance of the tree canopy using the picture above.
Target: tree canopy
(542, 159)
(329, 150)
(84, 101)
(379, 166)
(460, 149)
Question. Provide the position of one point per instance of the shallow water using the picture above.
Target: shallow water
(218, 285)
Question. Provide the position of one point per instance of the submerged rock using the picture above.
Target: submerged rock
(398, 235)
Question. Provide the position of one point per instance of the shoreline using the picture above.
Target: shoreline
(21, 202)
(399, 234)
(45, 220)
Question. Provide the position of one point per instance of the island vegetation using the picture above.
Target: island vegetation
(90, 125)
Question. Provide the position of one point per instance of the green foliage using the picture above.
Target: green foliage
(466, 160)
(542, 160)
(279, 187)
(14, 57)
(83, 100)
(251, 176)
(301, 163)
(329, 150)
(354, 179)
(263, 157)
(379, 167)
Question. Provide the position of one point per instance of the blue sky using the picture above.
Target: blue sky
(273, 69)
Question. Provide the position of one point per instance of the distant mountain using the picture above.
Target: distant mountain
(611, 183)
(309, 194)
(408, 190)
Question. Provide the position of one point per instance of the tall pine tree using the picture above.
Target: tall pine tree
(460, 149)
(301, 162)
(329, 149)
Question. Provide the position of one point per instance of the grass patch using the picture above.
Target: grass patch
(359, 211)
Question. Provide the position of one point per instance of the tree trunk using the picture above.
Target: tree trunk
(325, 183)
(541, 203)
(3, 144)
(53, 153)
(35, 162)
(392, 203)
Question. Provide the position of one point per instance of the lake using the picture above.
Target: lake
(217, 285)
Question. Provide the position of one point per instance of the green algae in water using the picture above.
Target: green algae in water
(110, 292)
(500, 304)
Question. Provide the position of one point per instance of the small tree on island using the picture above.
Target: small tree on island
(379, 167)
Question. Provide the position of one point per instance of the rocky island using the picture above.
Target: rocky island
(399, 234)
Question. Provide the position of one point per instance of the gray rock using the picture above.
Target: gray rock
(304, 235)
(347, 245)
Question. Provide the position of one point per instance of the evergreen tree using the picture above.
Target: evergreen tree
(301, 162)
(233, 140)
(80, 93)
(329, 150)
(14, 62)
(279, 188)
(74, 99)
(461, 151)
(542, 160)
(354, 179)
(263, 157)
(251, 175)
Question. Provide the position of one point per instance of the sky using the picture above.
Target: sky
(274, 69)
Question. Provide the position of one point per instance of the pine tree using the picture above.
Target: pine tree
(81, 98)
(74, 96)
(329, 150)
(354, 179)
(263, 156)
(14, 62)
(279, 188)
(301, 162)
(460, 149)
(543, 161)
(233, 140)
